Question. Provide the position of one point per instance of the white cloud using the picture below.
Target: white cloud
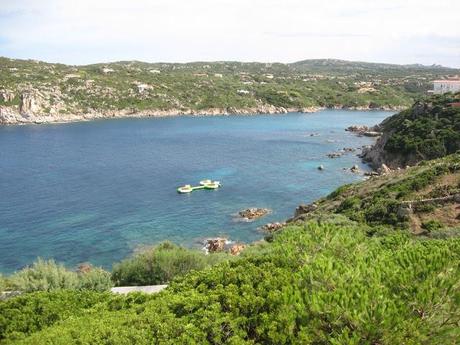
(85, 31)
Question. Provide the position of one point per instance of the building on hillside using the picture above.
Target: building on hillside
(446, 85)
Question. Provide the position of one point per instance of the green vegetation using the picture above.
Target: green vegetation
(132, 86)
(49, 276)
(317, 283)
(381, 201)
(161, 264)
(429, 129)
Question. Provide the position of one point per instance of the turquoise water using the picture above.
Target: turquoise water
(94, 191)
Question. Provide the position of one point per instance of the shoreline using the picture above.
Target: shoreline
(13, 117)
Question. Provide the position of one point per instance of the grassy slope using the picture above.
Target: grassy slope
(376, 202)
(197, 86)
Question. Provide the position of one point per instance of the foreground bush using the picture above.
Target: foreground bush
(47, 275)
(315, 284)
(161, 264)
(44, 275)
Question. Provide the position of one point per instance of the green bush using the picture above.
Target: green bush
(428, 130)
(161, 264)
(47, 275)
(32, 312)
(432, 225)
(44, 275)
(95, 279)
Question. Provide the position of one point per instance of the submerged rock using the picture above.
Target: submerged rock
(335, 154)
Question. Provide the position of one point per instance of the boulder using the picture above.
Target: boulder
(214, 245)
(236, 249)
(384, 169)
(84, 267)
(357, 129)
(272, 227)
(321, 167)
(303, 209)
(355, 169)
(253, 213)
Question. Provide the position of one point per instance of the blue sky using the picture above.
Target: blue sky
(89, 31)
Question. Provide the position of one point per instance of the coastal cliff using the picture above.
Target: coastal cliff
(429, 129)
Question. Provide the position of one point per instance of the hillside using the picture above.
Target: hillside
(429, 129)
(423, 200)
(36, 92)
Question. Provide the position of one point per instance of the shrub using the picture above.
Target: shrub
(432, 225)
(161, 264)
(95, 279)
(44, 275)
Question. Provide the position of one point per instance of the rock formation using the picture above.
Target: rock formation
(253, 213)
(236, 249)
(214, 245)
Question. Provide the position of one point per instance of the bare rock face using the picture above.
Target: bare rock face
(304, 209)
(30, 104)
(236, 249)
(253, 213)
(214, 245)
(384, 169)
(6, 96)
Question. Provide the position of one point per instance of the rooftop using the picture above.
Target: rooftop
(447, 81)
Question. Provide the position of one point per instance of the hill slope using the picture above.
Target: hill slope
(428, 130)
(34, 91)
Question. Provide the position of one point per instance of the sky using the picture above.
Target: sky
(90, 31)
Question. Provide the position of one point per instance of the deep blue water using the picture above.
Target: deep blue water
(94, 191)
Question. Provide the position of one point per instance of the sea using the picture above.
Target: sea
(97, 191)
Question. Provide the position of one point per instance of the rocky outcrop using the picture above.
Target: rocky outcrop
(357, 128)
(31, 103)
(304, 209)
(214, 245)
(366, 131)
(32, 111)
(6, 96)
(382, 160)
(253, 213)
(272, 227)
(236, 249)
(355, 169)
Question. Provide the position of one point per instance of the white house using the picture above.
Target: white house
(447, 85)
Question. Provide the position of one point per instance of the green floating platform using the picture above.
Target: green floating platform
(205, 184)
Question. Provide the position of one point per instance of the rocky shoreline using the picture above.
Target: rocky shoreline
(27, 113)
